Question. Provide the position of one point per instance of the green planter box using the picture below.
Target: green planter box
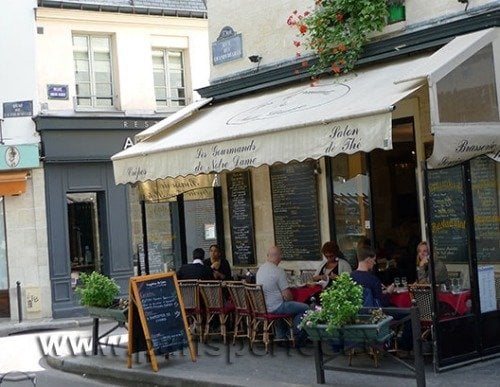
(396, 13)
(356, 333)
(116, 314)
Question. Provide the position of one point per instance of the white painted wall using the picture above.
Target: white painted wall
(17, 66)
(133, 37)
(25, 219)
(265, 32)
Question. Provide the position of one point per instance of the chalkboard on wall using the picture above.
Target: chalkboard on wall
(157, 320)
(485, 207)
(239, 196)
(447, 214)
(295, 210)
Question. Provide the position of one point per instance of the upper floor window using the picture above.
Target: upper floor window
(93, 75)
(168, 73)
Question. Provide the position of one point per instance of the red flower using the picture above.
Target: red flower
(296, 43)
(290, 21)
(341, 47)
(307, 13)
(305, 63)
(339, 17)
(303, 28)
(336, 69)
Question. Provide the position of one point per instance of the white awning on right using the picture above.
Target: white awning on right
(464, 81)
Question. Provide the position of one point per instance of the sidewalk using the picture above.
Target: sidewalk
(228, 365)
(9, 327)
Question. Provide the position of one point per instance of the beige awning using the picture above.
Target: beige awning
(346, 114)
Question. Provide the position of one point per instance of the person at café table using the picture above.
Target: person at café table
(219, 265)
(196, 270)
(375, 294)
(332, 265)
(423, 257)
(277, 294)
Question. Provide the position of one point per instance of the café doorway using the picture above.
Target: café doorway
(394, 203)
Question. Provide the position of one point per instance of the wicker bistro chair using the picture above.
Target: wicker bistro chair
(306, 275)
(421, 296)
(191, 299)
(211, 292)
(261, 318)
(242, 312)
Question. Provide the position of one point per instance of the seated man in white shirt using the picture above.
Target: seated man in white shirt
(276, 292)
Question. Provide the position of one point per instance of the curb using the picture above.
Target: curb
(135, 377)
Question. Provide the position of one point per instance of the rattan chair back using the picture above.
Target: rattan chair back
(421, 295)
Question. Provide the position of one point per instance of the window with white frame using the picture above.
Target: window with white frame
(169, 82)
(93, 71)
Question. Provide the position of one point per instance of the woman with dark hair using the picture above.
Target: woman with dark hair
(332, 265)
(219, 265)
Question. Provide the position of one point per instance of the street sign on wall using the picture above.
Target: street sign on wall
(17, 109)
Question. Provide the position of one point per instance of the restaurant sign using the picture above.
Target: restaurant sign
(164, 190)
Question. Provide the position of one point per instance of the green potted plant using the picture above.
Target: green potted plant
(396, 10)
(336, 30)
(339, 318)
(98, 294)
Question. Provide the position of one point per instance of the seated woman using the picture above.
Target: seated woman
(332, 266)
(221, 269)
(441, 273)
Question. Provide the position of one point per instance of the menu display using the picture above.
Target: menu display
(447, 214)
(239, 193)
(156, 317)
(486, 211)
(295, 210)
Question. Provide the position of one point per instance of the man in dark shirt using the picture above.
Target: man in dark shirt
(196, 270)
(374, 293)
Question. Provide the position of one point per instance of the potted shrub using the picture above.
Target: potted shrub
(98, 294)
(338, 317)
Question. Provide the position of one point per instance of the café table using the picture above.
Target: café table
(458, 301)
(304, 293)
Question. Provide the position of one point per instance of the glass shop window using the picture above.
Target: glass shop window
(84, 232)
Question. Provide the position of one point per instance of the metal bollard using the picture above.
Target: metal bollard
(19, 303)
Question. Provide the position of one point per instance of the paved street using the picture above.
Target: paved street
(216, 365)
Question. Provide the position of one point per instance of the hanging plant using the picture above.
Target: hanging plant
(336, 31)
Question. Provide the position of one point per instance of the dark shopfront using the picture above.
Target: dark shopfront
(88, 222)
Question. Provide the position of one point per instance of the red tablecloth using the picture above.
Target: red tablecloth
(401, 300)
(303, 293)
(458, 301)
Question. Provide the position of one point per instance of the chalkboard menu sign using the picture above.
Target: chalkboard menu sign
(239, 195)
(163, 326)
(157, 257)
(486, 211)
(295, 210)
(447, 214)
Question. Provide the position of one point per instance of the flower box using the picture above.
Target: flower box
(355, 333)
(117, 314)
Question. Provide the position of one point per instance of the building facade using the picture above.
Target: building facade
(100, 72)
(423, 84)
